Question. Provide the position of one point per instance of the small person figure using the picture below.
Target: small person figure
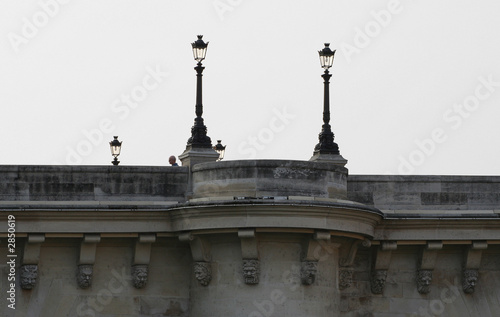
(171, 160)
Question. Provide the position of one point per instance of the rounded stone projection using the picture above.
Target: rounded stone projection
(269, 178)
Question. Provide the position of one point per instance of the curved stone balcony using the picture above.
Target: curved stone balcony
(269, 178)
(273, 195)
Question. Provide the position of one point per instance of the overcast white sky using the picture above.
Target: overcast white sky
(415, 86)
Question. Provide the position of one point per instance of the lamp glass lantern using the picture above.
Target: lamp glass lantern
(199, 49)
(326, 56)
(116, 147)
(221, 149)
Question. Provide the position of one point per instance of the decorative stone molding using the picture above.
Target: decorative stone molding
(424, 278)
(469, 280)
(142, 257)
(84, 275)
(377, 281)
(200, 250)
(346, 261)
(308, 271)
(31, 256)
(251, 271)
(250, 255)
(200, 247)
(29, 275)
(140, 275)
(381, 265)
(311, 254)
(203, 272)
(472, 261)
(345, 277)
(86, 260)
(353, 250)
(88, 248)
(427, 262)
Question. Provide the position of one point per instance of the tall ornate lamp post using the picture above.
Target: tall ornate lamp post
(199, 146)
(326, 149)
(199, 137)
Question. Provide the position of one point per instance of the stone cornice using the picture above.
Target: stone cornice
(340, 217)
(474, 227)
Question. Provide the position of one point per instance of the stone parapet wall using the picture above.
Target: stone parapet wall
(269, 178)
(420, 194)
(92, 183)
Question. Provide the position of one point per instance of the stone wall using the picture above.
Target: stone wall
(423, 193)
(446, 298)
(111, 294)
(287, 216)
(92, 183)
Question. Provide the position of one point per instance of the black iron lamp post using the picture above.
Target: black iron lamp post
(116, 147)
(221, 149)
(326, 144)
(199, 138)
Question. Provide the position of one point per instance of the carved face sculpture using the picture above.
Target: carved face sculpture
(84, 276)
(345, 278)
(424, 278)
(378, 281)
(308, 272)
(469, 280)
(29, 274)
(251, 269)
(139, 275)
(203, 272)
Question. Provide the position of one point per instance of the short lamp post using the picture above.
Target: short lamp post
(326, 144)
(221, 149)
(199, 138)
(116, 147)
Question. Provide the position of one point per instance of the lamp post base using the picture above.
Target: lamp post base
(192, 156)
(336, 159)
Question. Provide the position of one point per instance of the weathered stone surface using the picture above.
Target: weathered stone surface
(269, 178)
(122, 204)
(422, 193)
(92, 183)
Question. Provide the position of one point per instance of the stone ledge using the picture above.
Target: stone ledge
(412, 227)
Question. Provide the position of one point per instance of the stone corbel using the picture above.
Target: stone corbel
(311, 254)
(250, 256)
(353, 249)
(426, 265)
(381, 265)
(472, 261)
(87, 259)
(200, 250)
(31, 256)
(142, 256)
(346, 262)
